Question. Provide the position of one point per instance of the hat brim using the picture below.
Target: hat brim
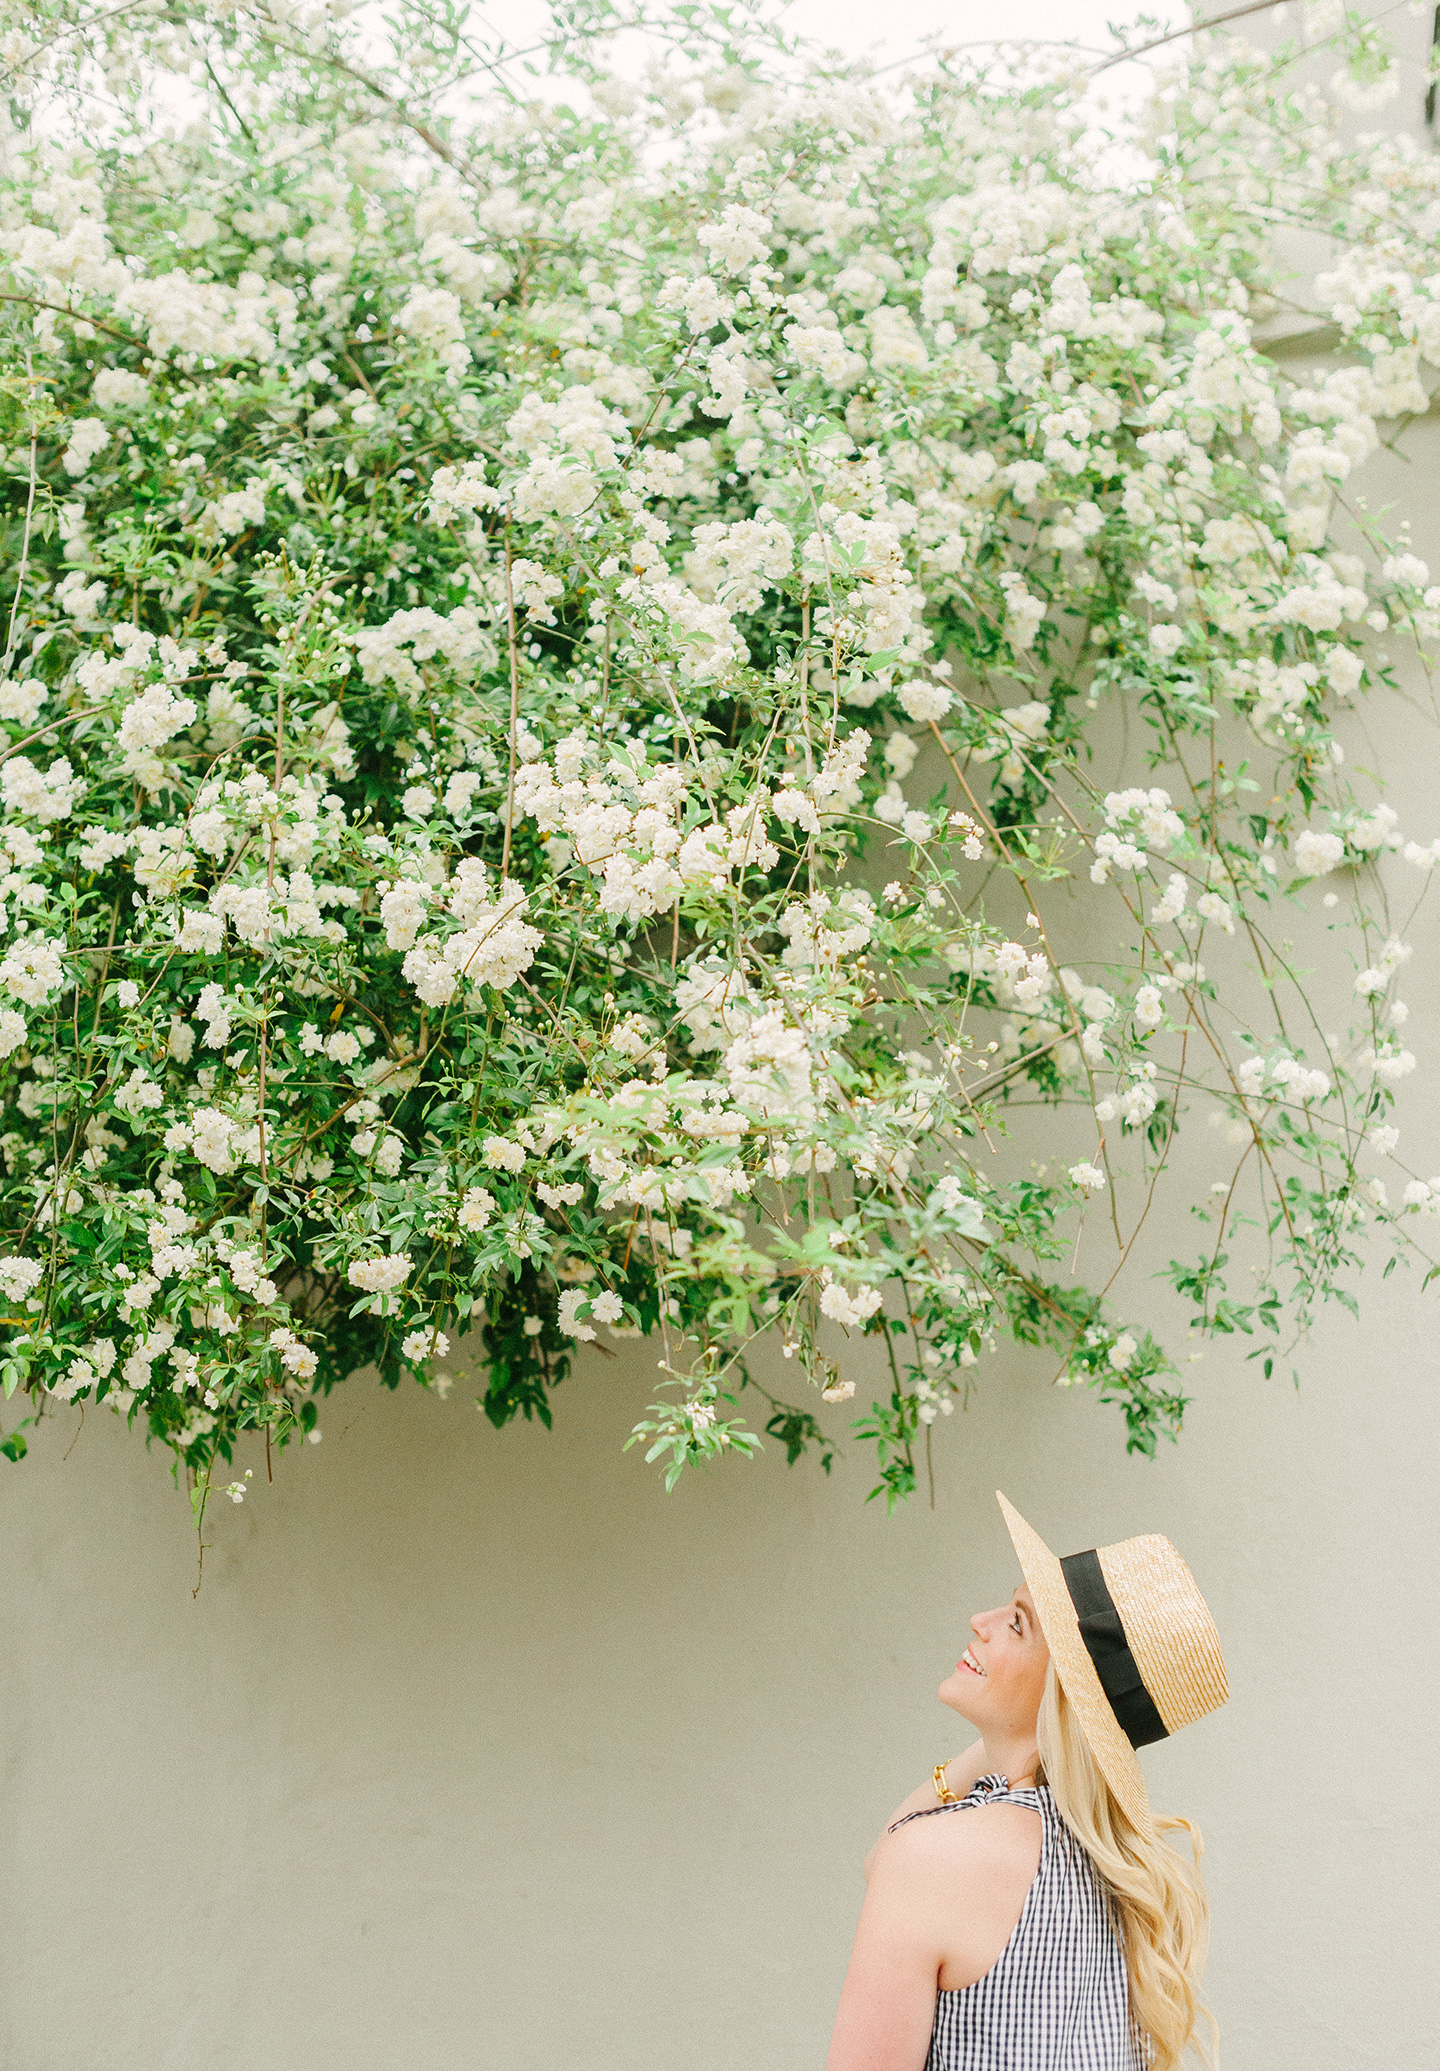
(1055, 1610)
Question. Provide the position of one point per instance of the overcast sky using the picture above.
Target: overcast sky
(897, 30)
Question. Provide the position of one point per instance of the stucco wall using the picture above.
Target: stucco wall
(476, 1751)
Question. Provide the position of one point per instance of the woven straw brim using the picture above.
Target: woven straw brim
(1076, 1671)
(1168, 1624)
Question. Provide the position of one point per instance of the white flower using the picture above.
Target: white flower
(739, 239)
(44, 795)
(1172, 905)
(1122, 1352)
(213, 1008)
(607, 1308)
(115, 389)
(769, 1068)
(1386, 1063)
(1023, 612)
(432, 317)
(421, 1345)
(81, 600)
(844, 1307)
(295, 1356)
(19, 1275)
(20, 702)
(1408, 570)
(1343, 671)
(1316, 854)
(699, 300)
(459, 640)
(476, 1208)
(1089, 1178)
(211, 1134)
(33, 970)
(1149, 1006)
(460, 791)
(235, 512)
(379, 1275)
(201, 933)
(1304, 1084)
(1166, 640)
(571, 1301)
(139, 1094)
(88, 437)
(816, 349)
(1210, 906)
(924, 702)
(503, 1156)
(494, 947)
(151, 719)
(402, 909)
(249, 910)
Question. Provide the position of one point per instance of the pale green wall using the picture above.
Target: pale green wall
(476, 1753)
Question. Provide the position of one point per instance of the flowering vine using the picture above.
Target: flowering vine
(596, 692)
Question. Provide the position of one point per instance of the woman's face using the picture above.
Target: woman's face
(999, 1680)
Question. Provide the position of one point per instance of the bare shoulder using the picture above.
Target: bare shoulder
(956, 1882)
(984, 1839)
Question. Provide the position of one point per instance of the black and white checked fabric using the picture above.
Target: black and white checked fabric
(1057, 1998)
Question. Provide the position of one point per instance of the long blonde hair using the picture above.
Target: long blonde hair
(1162, 1912)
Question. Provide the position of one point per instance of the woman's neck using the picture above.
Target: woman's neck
(1016, 1759)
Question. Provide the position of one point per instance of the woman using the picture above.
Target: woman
(1022, 1913)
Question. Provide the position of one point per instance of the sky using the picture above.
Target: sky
(897, 31)
(890, 35)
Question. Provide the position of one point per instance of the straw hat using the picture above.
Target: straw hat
(1133, 1644)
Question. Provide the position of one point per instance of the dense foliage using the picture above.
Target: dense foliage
(485, 574)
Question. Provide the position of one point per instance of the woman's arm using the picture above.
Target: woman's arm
(944, 1896)
(961, 1771)
(887, 2004)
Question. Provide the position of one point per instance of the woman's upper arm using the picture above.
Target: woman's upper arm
(887, 2004)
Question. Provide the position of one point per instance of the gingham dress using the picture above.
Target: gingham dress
(1056, 1999)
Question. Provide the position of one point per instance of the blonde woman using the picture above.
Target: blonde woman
(1022, 1911)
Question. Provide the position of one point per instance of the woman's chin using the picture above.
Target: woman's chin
(953, 1692)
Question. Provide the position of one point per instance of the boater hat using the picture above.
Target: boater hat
(1134, 1647)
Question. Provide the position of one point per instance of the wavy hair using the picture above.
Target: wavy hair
(1162, 1912)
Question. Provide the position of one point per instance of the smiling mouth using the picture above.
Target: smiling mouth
(968, 1662)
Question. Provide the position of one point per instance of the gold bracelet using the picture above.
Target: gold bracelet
(942, 1789)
